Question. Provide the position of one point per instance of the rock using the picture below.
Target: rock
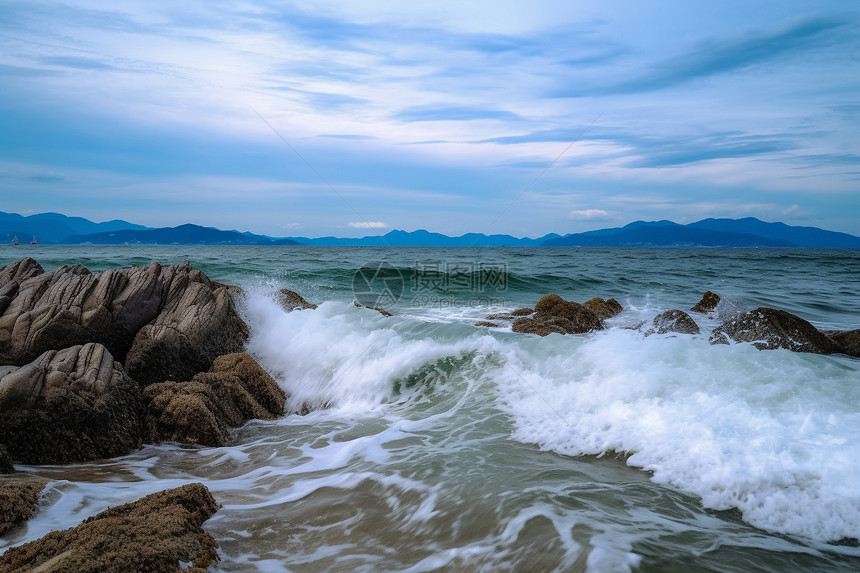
(673, 321)
(603, 308)
(158, 533)
(18, 499)
(381, 311)
(500, 316)
(292, 300)
(71, 405)
(162, 322)
(768, 328)
(233, 290)
(554, 314)
(486, 323)
(848, 342)
(11, 276)
(203, 410)
(708, 304)
(6, 465)
(523, 312)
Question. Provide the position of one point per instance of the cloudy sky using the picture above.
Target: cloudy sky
(349, 118)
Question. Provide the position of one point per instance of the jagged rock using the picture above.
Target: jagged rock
(158, 533)
(708, 304)
(70, 405)
(486, 323)
(291, 300)
(848, 342)
(18, 498)
(233, 290)
(673, 321)
(603, 308)
(523, 312)
(768, 328)
(381, 311)
(11, 276)
(203, 410)
(554, 314)
(161, 321)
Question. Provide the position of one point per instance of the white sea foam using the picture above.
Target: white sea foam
(774, 434)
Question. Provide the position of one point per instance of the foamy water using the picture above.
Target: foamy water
(436, 445)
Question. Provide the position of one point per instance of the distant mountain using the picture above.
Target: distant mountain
(181, 235)
(53, 227)
(422, 238)
(748, 232)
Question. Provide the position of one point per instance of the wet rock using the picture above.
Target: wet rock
(158, 533)
(603, 308)
(708, 304)
(768, 328)
(202, 410)
(523, 312)
(71, 405)
(554, 314)
(673, 321)
(161, 321)
(291, 300)
(500, 316)
(18, 499)
(6, 466)
(381, 311)
(848, 342)
(487, 324)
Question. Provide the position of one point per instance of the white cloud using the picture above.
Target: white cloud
(590, 215)
(368, 225)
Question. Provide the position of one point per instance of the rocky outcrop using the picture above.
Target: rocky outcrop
(768, 328)
(11, 276)
(848, 342)
(708, 304)
(523, 312)
(70, 405)
(673, 321)
(603, 308)
(161, 532)
(554, 314)
(162, 321)
(291, 300)
(202, 410)
(18, 498)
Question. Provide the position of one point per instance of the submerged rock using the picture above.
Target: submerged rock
(603, 308)
(161, 321)
(291, 300)
(487, 324)
(554, 314)
(202, 410)
(708, 304)
(848, 342)
(673, 321)
(18, 499)
(158, 533)
(71, 405)
(381, 311)
(768, 328)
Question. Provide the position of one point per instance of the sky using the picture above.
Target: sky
(355, 118)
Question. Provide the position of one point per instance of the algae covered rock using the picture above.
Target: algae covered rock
(554, 314)
(18, 499)
(708, 304)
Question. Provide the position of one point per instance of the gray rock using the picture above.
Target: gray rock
(673, 321)
(71, 405)
(768, 328)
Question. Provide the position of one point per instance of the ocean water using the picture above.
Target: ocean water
(435, 445)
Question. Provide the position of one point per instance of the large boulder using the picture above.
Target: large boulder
(69, 405)
(18, 499)
(603, 308)
(673, 321)
(708, 304)
(11, 276)
(768, 328)
(554, 314)
(848, 342)
(202, 410)
(163, 322)
(161, 532)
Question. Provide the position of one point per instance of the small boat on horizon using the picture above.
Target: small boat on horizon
(33, 242)
(15, 240)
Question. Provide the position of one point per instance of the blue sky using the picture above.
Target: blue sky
(496, 117)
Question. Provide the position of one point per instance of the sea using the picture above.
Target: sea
(421, 442)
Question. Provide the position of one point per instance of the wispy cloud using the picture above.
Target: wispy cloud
(368, 225)
(452, 113)
(590, 215)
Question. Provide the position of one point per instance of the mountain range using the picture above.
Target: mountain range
(54, 228)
